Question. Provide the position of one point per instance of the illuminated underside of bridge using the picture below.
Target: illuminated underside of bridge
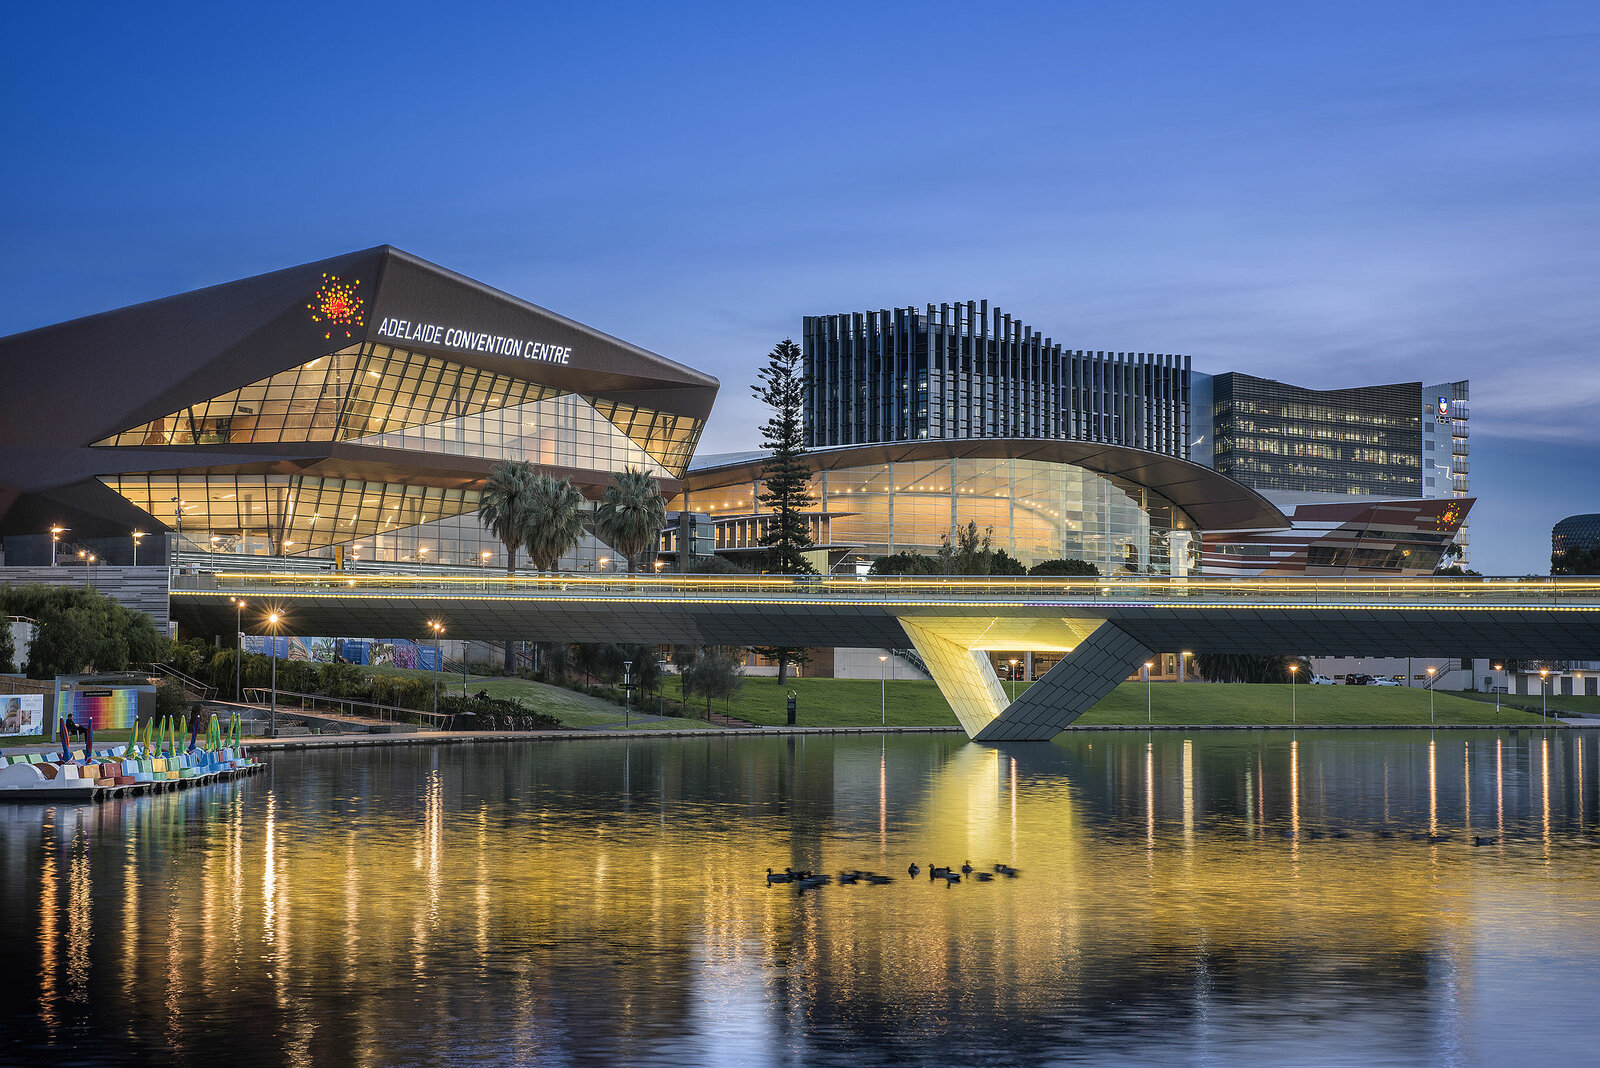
(1105, 630)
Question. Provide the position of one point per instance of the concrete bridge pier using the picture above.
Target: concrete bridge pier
(1097, 655)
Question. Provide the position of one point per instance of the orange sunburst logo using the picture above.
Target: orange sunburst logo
(336, 306)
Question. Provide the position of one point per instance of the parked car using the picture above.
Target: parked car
(1321, 680)
(1357, 680)
(1381, 680)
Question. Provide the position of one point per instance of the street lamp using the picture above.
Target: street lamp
(437, 626)
(55, 540)
(661, 687)
(484, 556)
(136, 536)
(1013, 664)
(238, 649)
(1149, 694)
(883, 692)
(1544, 693)
(1497, 667)
(274, 621)
(1294, 671)
(627, 706)
(1431, 670)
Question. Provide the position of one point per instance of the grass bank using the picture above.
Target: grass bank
(855, 703)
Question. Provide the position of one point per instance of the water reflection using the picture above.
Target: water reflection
(1248, 896)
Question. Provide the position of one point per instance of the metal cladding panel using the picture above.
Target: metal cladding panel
(150, 360)
(423, 307)
(145, 361)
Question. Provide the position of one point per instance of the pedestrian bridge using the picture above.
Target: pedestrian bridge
(1105, 629)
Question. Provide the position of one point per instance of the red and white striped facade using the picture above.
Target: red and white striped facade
(1397, 538)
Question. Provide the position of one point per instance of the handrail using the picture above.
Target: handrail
(386, 713)
(1425, 590)
(189, 683)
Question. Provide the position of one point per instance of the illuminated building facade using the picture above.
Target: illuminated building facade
(1363, 441)
(1124, 510)
(349, 408)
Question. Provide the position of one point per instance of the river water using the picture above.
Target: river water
(1221, 897)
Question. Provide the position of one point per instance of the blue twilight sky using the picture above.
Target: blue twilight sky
(1330, 194)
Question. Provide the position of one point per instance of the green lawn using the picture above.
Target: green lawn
(1558, 702)
(572, 709)
(855, 703)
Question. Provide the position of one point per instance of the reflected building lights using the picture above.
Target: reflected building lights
(1294, 796)
(1433, 787)
(1544, 791)
(1188, 793)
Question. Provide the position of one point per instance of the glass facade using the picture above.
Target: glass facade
(963, 371)
(1037, 510)
(378, 395)
(1274, 436)
(390, 398)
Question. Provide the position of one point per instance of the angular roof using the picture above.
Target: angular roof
(77, 384)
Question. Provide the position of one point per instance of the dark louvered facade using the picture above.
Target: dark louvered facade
(962, 371)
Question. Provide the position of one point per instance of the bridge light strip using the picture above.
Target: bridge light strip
(1090, 608)
(1098, 589)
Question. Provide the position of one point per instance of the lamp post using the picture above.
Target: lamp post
(437, 626)
(273, 621)
(627, 706)
(1497, 697)
(1013, 664)
(661, 687)
(136, 536)
(1149, 694)
(1431, 670)
(238, 648)
(883, 692)
(1294, 671)
(55, 540)
(1544, 693)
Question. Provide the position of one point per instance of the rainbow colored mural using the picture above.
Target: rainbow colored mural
(103, 707)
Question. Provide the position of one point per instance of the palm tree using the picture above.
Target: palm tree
(555, 520)
(503, 505)
(631, 514)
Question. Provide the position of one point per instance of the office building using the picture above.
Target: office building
(965, 371)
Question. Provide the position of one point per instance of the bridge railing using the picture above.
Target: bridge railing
(890, 589)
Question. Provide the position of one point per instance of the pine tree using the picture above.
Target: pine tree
(786, 475)
(786, 478)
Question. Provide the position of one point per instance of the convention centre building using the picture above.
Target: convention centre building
(347, 409)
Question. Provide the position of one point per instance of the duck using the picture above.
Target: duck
(937, 872)
(879, 880)
(913, 871)
(784, 876)
(951, 877)
(984, 876)
(811, 882)
(1483, 840)
(1008, 872)
(848, 878)
(966, 869)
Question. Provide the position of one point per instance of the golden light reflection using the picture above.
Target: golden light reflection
(437, 914)
(1544, 792)
(1433, 787)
